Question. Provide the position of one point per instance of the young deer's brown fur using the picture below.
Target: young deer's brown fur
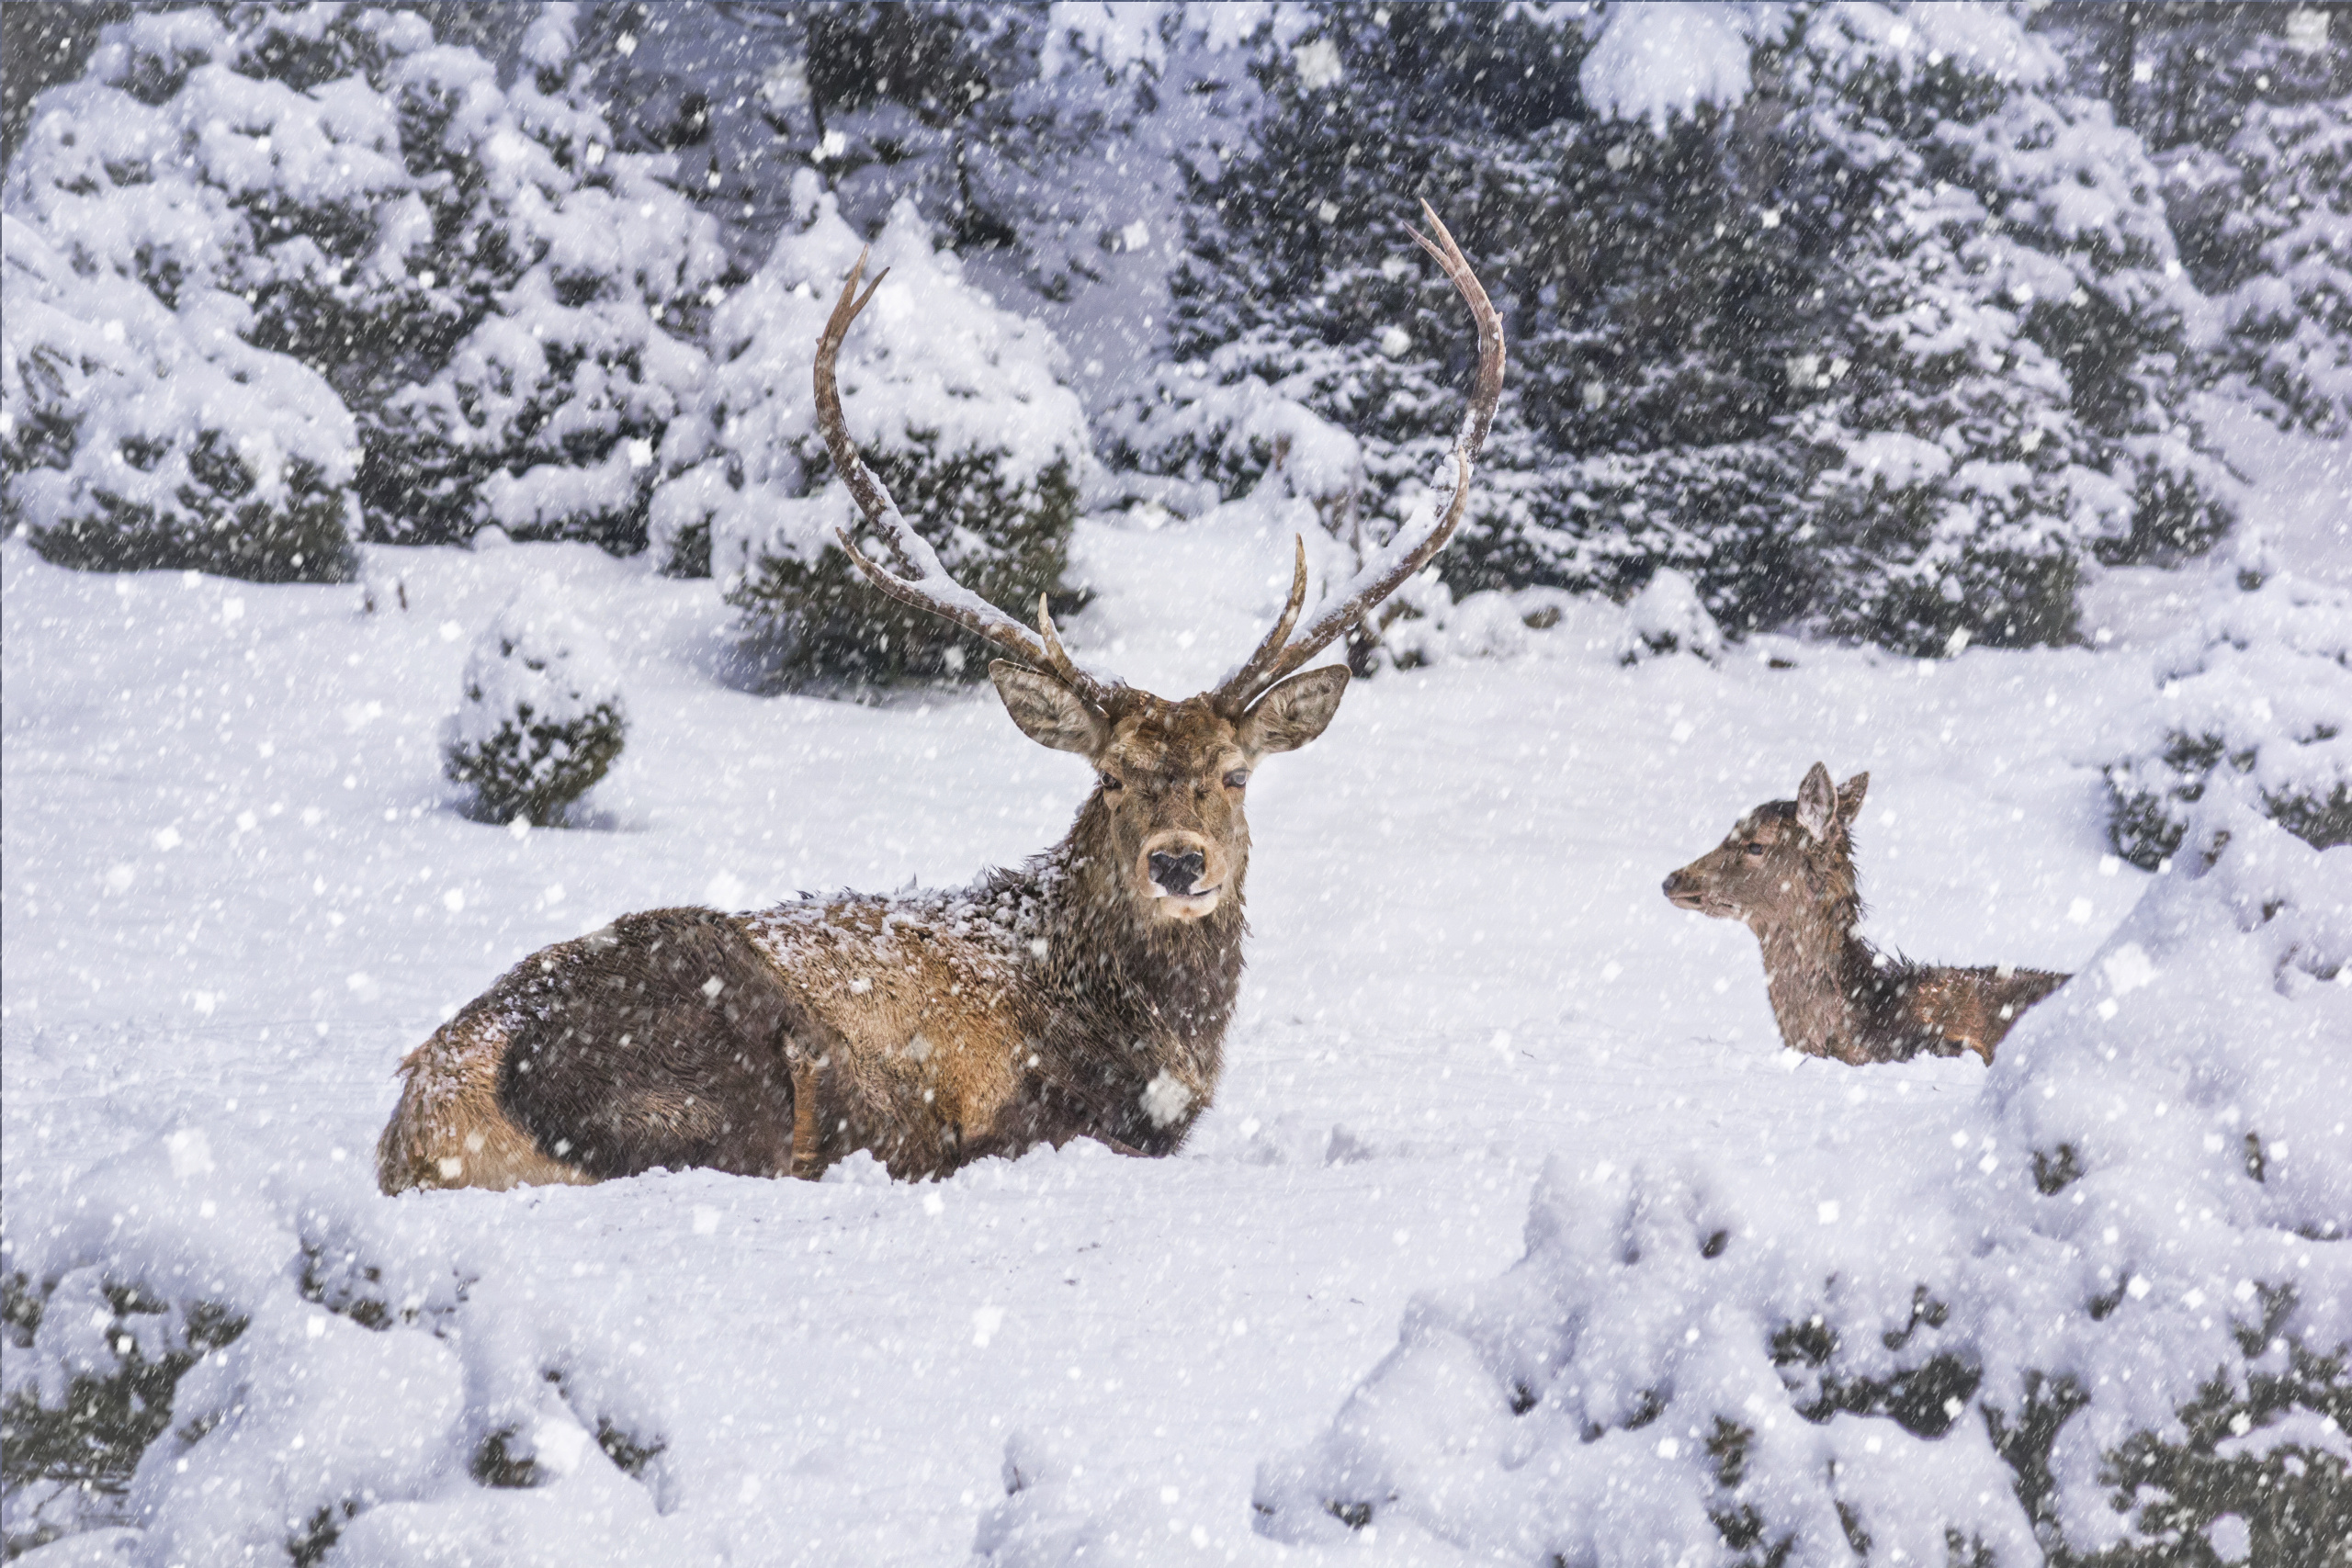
(1787, 871)
(1084, 994)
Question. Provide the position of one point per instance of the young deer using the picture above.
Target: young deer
(1788, 870)
(1084, 994)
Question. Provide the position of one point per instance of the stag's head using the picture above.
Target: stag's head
(1784, 858)
(1171, 776)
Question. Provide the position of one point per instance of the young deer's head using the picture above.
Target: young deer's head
(1170, 775)
(1784, 860)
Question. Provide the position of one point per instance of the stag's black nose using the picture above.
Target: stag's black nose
(1673, 884)
(1177, 873)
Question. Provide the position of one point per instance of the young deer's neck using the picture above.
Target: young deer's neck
(1819, 974)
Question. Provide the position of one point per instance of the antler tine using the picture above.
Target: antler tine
(1486, 390)
(1249, 678)
(1407, 554)
(1064, 666)
(927, 585)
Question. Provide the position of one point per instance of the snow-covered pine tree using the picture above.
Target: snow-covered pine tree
(2248, 112)
(569, 271)
(2277, 229)
(1955, 501)
(2292, 322)
(996, 122)
(959, 406)
(1740, 252)
(2083, 244)
(1655, 294)
(166, 216)
(542, 717)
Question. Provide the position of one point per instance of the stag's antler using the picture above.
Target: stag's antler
(1407, 553)
(927, 584)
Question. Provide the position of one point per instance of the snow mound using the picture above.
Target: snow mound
(1943, 1341)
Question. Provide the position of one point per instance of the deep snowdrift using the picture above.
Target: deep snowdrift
(238, 890)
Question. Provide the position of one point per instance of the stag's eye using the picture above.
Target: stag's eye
(1237, 778)
(1756, 849)
(1111, 785)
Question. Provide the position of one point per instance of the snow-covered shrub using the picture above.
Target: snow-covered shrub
(2292, 320)
(957, 404)
(542, 719)
(93, 1362)
(1668, 616)
(1233, 433)
(246, 148)
(162, 218)
(137, 436)
(2108, 1302)
(569, 269)
(497, 294)
(2255, 703)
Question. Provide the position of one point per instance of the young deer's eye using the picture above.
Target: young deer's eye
(1111, 785)
(1756, 849)
(1237, 778)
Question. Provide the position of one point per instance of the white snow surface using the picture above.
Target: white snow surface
(238, 891)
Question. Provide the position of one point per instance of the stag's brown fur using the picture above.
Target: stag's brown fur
(1787, 871)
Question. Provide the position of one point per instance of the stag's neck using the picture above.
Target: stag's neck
(1131, 979)
(1825, 981)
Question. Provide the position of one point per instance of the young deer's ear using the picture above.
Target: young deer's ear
(1818, 802)
(1850, 797)
(1048, 712)
(1293, 713)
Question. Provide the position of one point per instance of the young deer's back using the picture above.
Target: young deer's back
(1787, 871)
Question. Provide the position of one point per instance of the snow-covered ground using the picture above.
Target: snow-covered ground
(238, 891)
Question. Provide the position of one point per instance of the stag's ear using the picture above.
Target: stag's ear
(1294, 712)
(1850, 797)
(1048, 712)
(1818, 802)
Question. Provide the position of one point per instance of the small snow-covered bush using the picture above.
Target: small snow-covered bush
(542, 720)
(958, 406)
(2257, 700)
(1668, 616)
(2101, 1316)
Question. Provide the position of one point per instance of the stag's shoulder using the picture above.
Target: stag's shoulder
(993, 926)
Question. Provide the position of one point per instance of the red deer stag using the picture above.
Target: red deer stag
(1084, 994)
(1788, 871)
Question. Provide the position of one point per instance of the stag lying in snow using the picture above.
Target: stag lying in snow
(1084, 994)
(1788, 871)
